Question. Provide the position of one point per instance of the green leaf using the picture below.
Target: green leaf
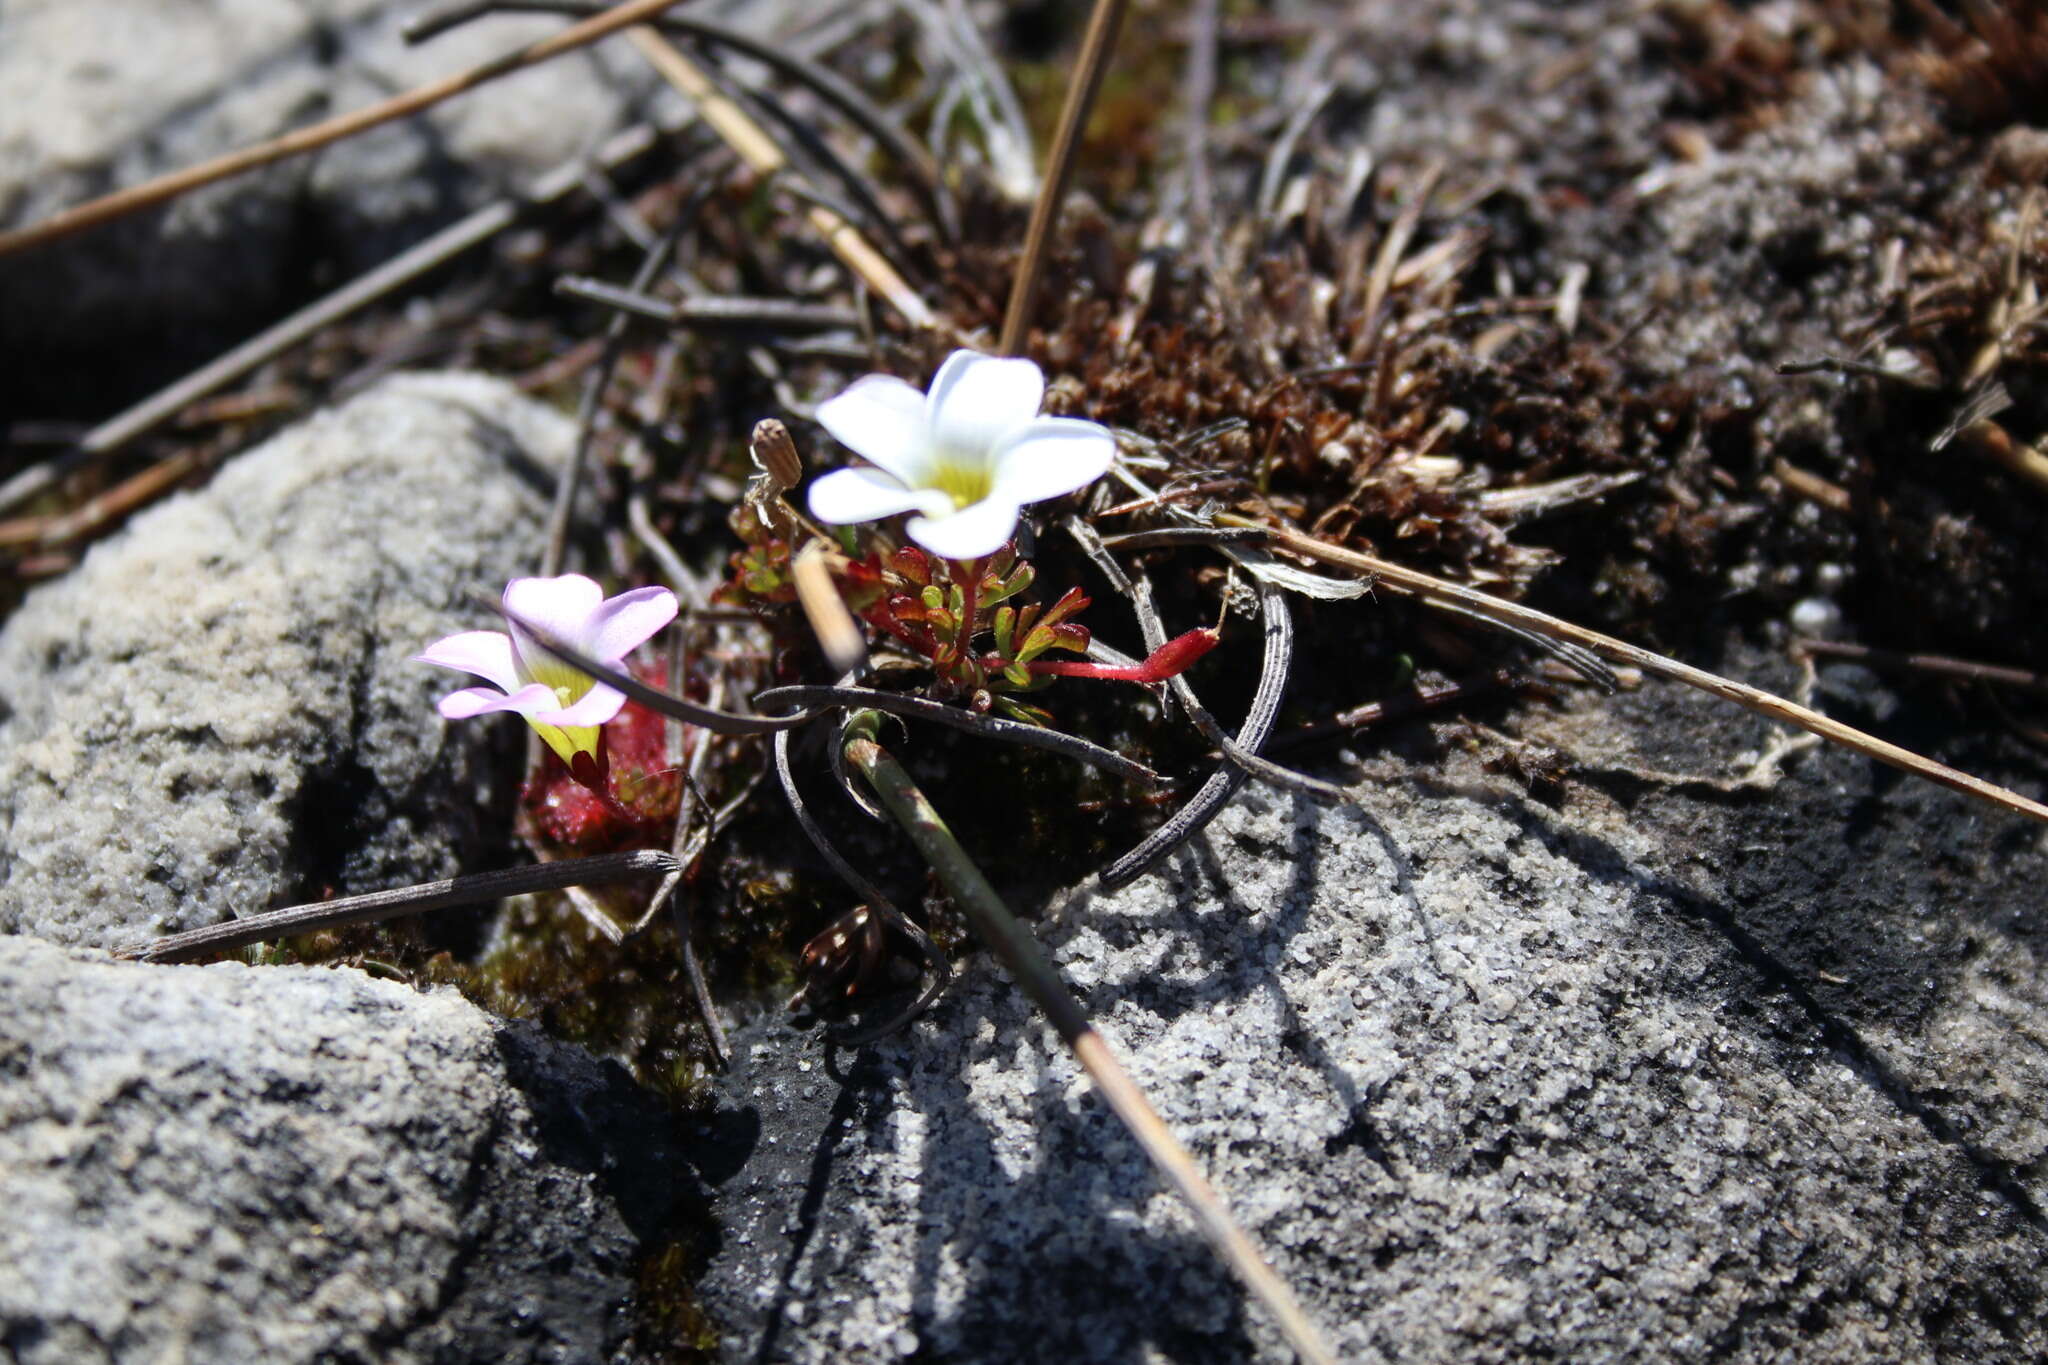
(1002, 589)
(1071, 601)
(1030, 715)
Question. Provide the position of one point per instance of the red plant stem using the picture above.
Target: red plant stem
(967, 573)
(595, 776)
(1171, 658)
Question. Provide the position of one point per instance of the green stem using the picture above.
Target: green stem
(986, 914)
(967, 573)
(1020, 954)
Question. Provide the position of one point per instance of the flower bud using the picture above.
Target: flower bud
(775, 455)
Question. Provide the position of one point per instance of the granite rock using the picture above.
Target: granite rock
(217, 712)
(297, 1164)
(1630, 1061)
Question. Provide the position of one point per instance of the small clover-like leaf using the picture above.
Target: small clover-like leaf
(913, 563)
(1071, 635)
(907, 610)
(1071, 601)
(1030, 715)
(996, 589)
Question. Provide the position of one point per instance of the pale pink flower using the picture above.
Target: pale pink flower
(565, 706)
(964, 457)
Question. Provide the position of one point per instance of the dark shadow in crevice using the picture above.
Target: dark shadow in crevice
(846, 1107)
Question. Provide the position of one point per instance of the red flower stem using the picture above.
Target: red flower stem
(1171, 658)
(967, 573)
(595, 776)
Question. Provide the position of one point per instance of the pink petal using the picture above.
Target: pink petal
(881, 418)
(976, 399)
(561, 605)
(479, 701)
(486, 653)
(1048, 456)
(595, 707)
(969, 533)
(846, 496)
(622, 624)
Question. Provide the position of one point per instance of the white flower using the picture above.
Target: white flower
(564, 705)
(965, 457)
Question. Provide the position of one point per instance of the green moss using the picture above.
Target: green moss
(670, 1325)
(627, 1001)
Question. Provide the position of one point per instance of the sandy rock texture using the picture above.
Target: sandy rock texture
(1606, 1064)
(217, 712)
(291, 1164)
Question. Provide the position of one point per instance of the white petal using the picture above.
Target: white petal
(1049, 456)
(977, 399)
(479, 701)
(969, 533)
(850, 495)
(560, 606)
(486, 653)
(595, 707)
(622, 624)
(882, 418)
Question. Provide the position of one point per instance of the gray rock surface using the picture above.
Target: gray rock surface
(290, 1164)
(104, 94)
(217, 712)
(1658, 1071)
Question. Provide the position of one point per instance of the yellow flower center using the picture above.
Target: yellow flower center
(966, 482)
(569, 687)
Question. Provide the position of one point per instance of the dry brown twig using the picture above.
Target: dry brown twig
(1103, 24)
(1960, 670)
(476, 889)
(761, 152)
(359, 293)
(165, 188)
(1018, 950)
(1435, 591)
(926, 178)
(102, 509)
